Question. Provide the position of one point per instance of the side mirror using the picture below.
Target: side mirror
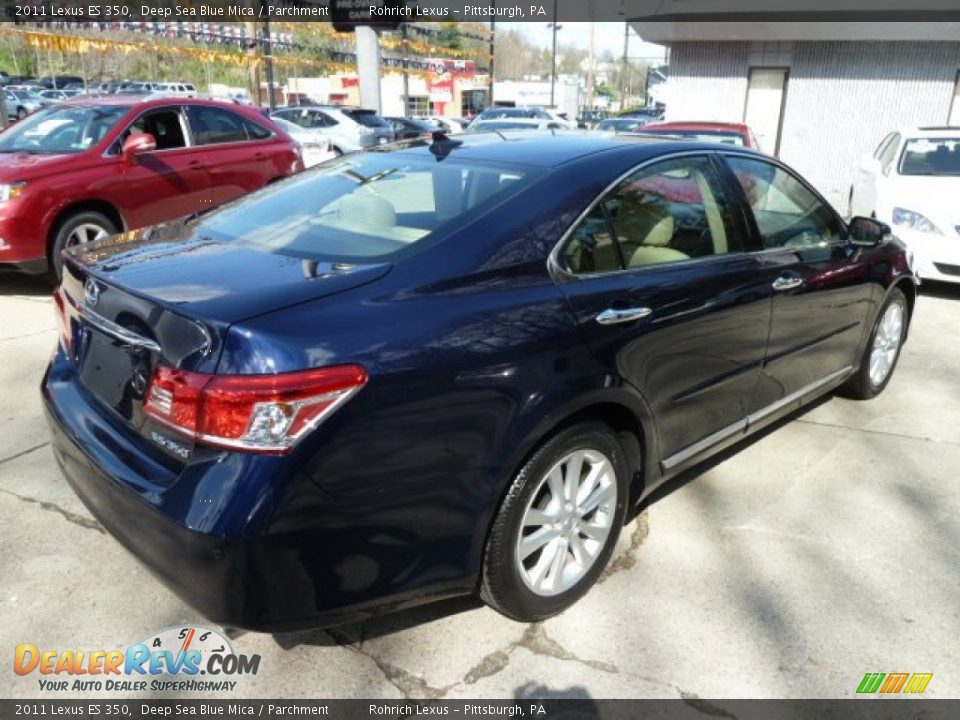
(137, 145)
(867, 232)
(870, 165)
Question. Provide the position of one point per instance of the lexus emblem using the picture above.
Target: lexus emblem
(91, 292)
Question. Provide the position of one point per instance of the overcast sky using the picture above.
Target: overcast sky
(609, 35)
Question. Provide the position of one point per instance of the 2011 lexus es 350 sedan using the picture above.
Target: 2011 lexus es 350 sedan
(451, 366)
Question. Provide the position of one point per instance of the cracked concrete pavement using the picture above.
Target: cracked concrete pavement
(828, 548)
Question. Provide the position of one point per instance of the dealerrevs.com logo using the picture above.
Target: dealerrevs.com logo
(178, 659)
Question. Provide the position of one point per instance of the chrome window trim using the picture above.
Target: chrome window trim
(752, 419)
(553, 263)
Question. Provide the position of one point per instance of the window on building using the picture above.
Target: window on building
(766, 92)
(418, 105)
(472, 102)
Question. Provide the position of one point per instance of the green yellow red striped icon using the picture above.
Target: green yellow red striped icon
(894, 683)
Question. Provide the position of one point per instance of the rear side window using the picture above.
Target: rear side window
(366, 207)
(365, 117)
(213, 126)
(255, 131)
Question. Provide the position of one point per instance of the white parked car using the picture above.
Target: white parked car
(179, 89)
(449, 125)
(912, 183)
(514, 124)
(315, 146)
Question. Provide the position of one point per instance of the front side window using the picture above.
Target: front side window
(787, 212)
(366, 207)
(668, 212)
(165, 126)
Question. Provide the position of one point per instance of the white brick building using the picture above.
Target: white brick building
(818, 94)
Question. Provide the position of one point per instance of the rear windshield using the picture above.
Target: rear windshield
(365, 117)
(717, 136)
(365, 208)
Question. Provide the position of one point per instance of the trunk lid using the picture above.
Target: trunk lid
(163, 295)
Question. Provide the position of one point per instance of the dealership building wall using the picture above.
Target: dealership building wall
(839, 99)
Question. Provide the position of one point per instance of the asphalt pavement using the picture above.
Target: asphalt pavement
(825, 549)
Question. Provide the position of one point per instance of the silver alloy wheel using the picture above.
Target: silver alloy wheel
(84, 233)
(567, 522)
(886, 343)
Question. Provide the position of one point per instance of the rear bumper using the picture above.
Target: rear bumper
(270, 581)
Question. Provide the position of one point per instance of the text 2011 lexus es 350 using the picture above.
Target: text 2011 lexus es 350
(451, 366)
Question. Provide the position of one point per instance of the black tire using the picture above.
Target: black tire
(502, 587)
(860, 386)
(337, 152)
(62, 233)
(21, 113)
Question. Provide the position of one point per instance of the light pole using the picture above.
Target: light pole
(553, 56)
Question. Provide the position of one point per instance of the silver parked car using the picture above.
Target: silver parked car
(348, 128)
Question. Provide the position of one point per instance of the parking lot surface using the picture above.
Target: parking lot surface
(828, 548)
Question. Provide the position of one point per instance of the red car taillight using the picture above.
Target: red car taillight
(256, 413)
(63, 321)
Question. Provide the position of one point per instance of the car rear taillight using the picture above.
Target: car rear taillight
(63, 321)
(254, 413)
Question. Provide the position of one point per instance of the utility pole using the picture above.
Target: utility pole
(590, 67)
(624, 81)
(268, 55)
(553, 58)
(406, 75)
(493, 31)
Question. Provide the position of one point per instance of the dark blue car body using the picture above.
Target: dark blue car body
(477, 347)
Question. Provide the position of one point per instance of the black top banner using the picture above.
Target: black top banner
(389, 13)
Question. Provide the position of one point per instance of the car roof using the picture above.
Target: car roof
(144, 101)
(931, 131)
(551, 149)
(695, 125)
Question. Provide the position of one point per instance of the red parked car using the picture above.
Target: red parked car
(728, 133)
(92, 167)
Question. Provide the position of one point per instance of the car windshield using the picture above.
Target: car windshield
(726, 137)
(368, 207)
(931, 156)
(618, 125)
(61, 129)
(493, 114)
(494, 125)
(366, 117)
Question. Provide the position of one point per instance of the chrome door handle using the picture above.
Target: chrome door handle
(782, 284)
(615, 317)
